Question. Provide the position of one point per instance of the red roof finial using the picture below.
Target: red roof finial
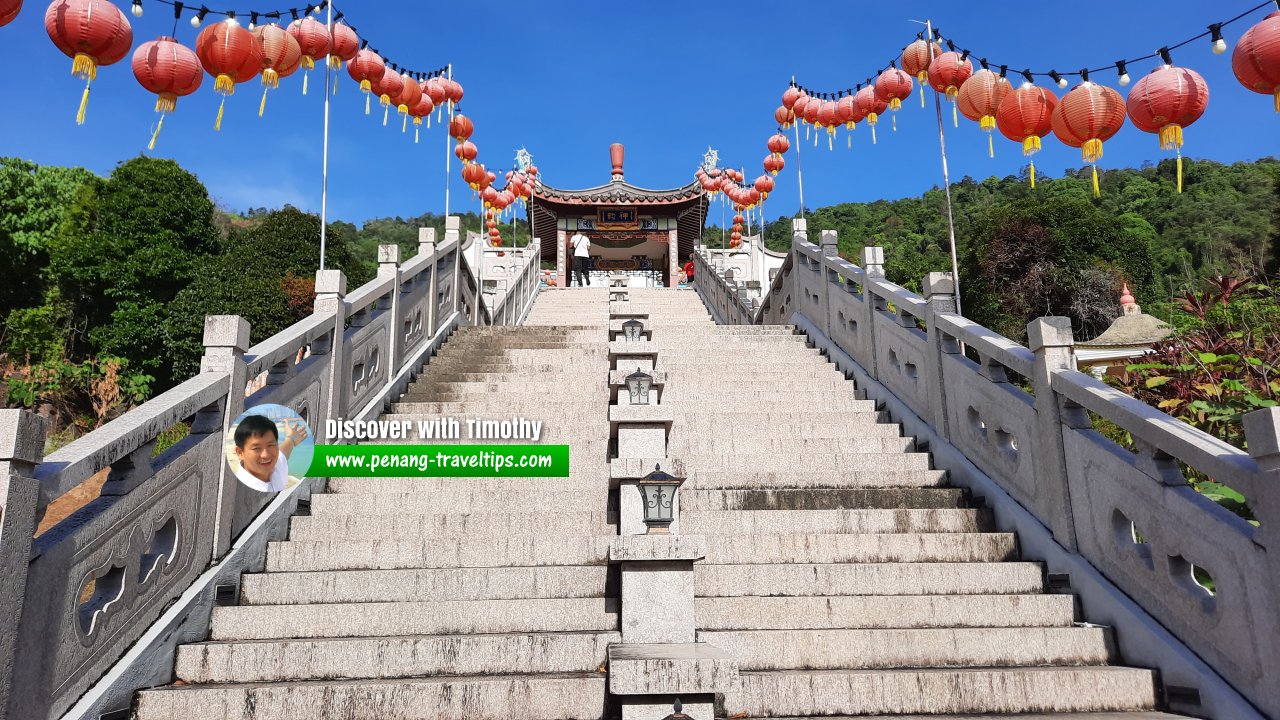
(1126, 298)
(615, 155)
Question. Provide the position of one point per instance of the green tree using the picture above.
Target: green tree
(126, 248)
(266, 275)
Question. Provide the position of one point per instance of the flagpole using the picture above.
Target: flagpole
(795, 124)
(946, 179)
(324, 172)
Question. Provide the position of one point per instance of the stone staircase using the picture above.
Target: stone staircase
(841, 569)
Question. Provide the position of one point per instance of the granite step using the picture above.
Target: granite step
(447, 552)
(772, 522)
(862, 548)
(847, 460)
(997, 690)
(488, 524)
(811, 580)
(579, 696)
(262, 661)
(705, 479)
(883, 611)
(855, 443)
(813, 499)
(588, 480)
(460, 500)
(421, 585)
(456, 617)
(914, 648)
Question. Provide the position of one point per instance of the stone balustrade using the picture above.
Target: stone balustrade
(75, 598)
(1023, 417)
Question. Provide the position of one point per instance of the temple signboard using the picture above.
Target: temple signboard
(617, 218)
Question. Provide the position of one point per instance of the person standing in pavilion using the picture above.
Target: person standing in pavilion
(581, 257)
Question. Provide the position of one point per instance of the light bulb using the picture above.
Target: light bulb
(252, 26)
(1124, 80)
(1219, 46)
(137, 8)
(1062, 82)
(195, 21)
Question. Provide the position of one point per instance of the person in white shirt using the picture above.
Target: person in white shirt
(264, 460)
(581, 257)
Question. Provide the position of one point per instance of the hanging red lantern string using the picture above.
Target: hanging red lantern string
(281, 57)
(453, 89)
(461, 128)
(168, 69)
(410, 94)
(231, 55)
(778, 144)
(313, 41)
(367, 68)
(344, 46)
(1026, 115)
(867, 105)
(1256, 60)
(979, 100)
(465, 151)
(435, 89)
(784, 117)
(892, 87)
(798, 107)
(9, 10)
(915, 62)
(1088, 116)
(94, 33)
(1166, 101)
(947, 73)
(828, 118)
(386, 88)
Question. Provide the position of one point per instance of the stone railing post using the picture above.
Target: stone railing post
(1262, 432)
(939, 295)
(331, 293)
(829, 242)
(452, 224)
(21, 449)
(799, 230)
(389, 267)
(226, 339)
(872, 270)
(427, 245)
(1051, 340)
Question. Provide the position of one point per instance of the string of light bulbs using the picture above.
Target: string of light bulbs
(1218, 45)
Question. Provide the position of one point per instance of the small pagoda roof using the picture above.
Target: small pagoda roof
(620, 192)
(1131, 330)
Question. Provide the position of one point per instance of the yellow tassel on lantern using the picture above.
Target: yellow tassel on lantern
(1033, 174)
(1091, 151)
(217, 124)
(1031, 145)
(1097, 192)
(1277, 101)
(895, 104)
(262, 106)
(335, 62)
(986, 123)
(922, 77)
(225, 85)
(873, 118)
(84, 105)
(1171, 137)
(417, 128)
(166, 103)
(894, 120)
(305, 77)
(84, 67)
(152, 145)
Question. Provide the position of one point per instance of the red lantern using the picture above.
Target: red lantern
(915, 61)
(980, 98)
(947, 73)
(1026, 115)
(366, 68)
(473, 173)
(489, 196)
(168, 69)
(281, 56)
(390, 86)
(812, 111)
(465, 151)
(828, 117)
(779, 144)
(436, 90)
(410, 94)
(784, 117)
(461, 127)
(845, 113)
(1164, 102)
(774, 164)
(866, 104)
(1256, 60)
(764, 184)
(798, 107)
(1088, 116)
(344, 45)
(453, 89)
(9, 10)
(789, 97)
(313, 40)
(533, 171)
(892, 87)
(737, 221)
(421, 110)
(231, 55)
(94, 33)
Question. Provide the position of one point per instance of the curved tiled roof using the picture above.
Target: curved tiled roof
(620, 191)
(1130, 330)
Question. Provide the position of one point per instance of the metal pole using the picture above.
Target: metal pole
(324, 171)
(946, 179)
(795, 124)
(448, 152)
(448, 178)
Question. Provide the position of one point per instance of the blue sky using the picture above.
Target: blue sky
(566, 79)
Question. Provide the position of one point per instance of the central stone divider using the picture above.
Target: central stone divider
(659, 662)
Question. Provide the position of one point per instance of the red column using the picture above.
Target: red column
(673, 259)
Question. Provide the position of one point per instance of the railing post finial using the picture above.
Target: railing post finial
(21, 449)
(873, 260)
(1053, 343)
(1262, 433)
